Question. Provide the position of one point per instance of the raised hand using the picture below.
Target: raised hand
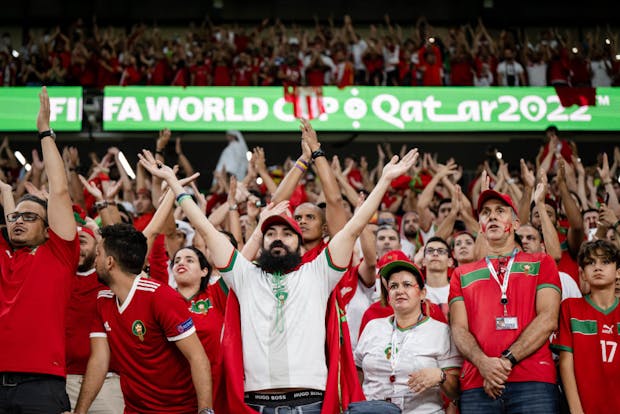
(308, 134)
(156, 168)
(43, 118)
(527, 176)
(396, 168)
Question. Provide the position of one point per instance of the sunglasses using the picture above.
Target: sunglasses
(27, 216)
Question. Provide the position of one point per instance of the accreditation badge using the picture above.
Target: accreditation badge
(506, 323)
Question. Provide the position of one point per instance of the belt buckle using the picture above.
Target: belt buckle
(8, 380)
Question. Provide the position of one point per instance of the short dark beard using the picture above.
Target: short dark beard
(283, 264)
(410, 234)
(89, 261)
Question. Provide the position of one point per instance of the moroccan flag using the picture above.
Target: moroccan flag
(307, 100)
(570, 96)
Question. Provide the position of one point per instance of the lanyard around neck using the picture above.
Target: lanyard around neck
(503, 285)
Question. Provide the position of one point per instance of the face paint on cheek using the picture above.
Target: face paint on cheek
(507, 228)
(483, 227)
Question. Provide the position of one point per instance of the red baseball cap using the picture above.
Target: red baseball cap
(492, 194)
(396, 259)
(284, 220)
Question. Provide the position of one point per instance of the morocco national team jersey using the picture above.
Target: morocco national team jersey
(81, 311)
(155, 376)
(473, 284)
(592, 335)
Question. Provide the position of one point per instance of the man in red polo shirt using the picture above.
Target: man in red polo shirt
(36, 271)
(81, 311)
(503, 308)
(147, 329)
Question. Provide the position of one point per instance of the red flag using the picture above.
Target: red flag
(307, 100)
(570, 96)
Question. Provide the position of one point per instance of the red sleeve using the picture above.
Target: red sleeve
(172, 314)
(563, 340)
(158, 260)
(548, 275)
(96, 325)
(455, 287)
(67, 251)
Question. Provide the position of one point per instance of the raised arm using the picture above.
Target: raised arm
(219, 245)
(341, 246)
(550, 235)
(59, 210)
(290, 180)
(335, 215)
(96, 370)
(575, 219)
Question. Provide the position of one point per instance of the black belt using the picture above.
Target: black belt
(13, 379)
(291, 399)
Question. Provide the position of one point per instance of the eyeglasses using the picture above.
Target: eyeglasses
(440, 251)
(26, 216)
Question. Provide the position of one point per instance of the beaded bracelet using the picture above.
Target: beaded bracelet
(181, 197)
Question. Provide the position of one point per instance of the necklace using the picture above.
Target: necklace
(280, 293)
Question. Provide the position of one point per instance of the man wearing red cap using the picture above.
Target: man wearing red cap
(81, 311)
(283, 306)
(503, 308)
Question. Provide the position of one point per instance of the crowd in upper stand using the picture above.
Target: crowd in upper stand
(273, 53)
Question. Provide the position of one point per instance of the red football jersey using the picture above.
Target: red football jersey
(81, 311)
(592, 335)
(473, 284)
(155, 376)
(35, 285)
(209, 322)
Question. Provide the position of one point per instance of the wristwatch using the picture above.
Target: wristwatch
(48, 133)
(318, 153)
(443, 377)
(206, 411)
(233, 207)
(510, 357)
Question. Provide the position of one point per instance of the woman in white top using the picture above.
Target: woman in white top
(408, 359)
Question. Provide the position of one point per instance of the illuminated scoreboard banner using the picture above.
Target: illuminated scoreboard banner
(19, 108)
(393, 109)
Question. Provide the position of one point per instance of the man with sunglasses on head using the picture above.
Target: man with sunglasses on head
(37, 266)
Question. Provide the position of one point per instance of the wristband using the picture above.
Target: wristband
(607, 182)
(616, 224)
(233, 207)
(160, 152)
(318, 153)
(100, 205)
(181, 197)
(48, 133)
(305, 164)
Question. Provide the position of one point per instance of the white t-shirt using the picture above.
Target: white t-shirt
(510, 72)
(426, 345)
(438, 295)
(359, 303)
(570, 289)
(600, 77)
(284, 350)
(537, 73)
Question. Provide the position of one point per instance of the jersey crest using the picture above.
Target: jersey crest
(138, 329)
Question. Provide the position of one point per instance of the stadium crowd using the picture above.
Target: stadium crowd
(272, 54)
(278, 284)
